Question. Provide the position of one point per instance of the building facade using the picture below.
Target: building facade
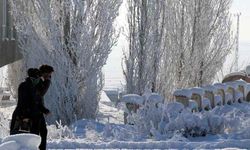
(9, 52)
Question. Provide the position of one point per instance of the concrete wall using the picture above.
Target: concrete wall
(9, 51)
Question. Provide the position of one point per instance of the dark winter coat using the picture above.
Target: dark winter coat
(30, 99)
(41, 90)
(30, 102)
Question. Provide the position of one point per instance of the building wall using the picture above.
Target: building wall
(9, 51)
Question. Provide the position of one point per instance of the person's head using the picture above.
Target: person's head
(46, 71)
(34, 75)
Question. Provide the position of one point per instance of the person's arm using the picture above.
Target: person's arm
(42, 108)
(43, 87)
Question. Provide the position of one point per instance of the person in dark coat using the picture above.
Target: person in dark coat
(43, 86)
(28, 106)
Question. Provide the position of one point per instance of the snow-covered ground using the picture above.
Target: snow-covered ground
(109, 132)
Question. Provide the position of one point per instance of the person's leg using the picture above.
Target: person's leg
(35, 125)
(43, 134)
(14, 124)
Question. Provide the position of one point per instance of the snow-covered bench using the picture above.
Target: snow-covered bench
(132, 101)
(193, 106)
(242, 85)
(197, 95)
(247, 92)
(234, 90)
(221, 90)
(218, 100)
(154, 99)
(210, 91)
(182, 96)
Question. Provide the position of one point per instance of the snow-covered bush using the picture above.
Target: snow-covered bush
(4, 126)
(148, 115)
(59, 131)
(121, 132)
(165, 120)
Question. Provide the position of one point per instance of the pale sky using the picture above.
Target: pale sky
(113, 69)
(243, 6)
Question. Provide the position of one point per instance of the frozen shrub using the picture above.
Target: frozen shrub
(59, 131)
(163, 121)
(121, 132)
(4, 126)
(146, 117)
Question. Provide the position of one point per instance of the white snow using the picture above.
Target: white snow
(108, 113)
(132, 98)
(197, 90)
(21, 141)
(183, 92)
(155, 98)
(229, 97)
(221, 86)
(228, 124)
(241, 82)
(218, 99)
(235, 85)
(210, 88)
(241, 73)
(238, 96)
(247, 89)
(192, 105)
(206, 103)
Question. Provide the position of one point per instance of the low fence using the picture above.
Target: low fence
(210, 96)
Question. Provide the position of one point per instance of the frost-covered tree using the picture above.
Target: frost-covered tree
(175, 44)
(211, 39)
(75, 37)
(199, 39)
(145, 27)
(16, 74)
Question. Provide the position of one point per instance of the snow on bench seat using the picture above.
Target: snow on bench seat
(182, 96)
(155, 98)
(132, 98)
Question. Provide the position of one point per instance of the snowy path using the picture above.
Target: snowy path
(80, 144)
(107, 112)
(7, 111)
